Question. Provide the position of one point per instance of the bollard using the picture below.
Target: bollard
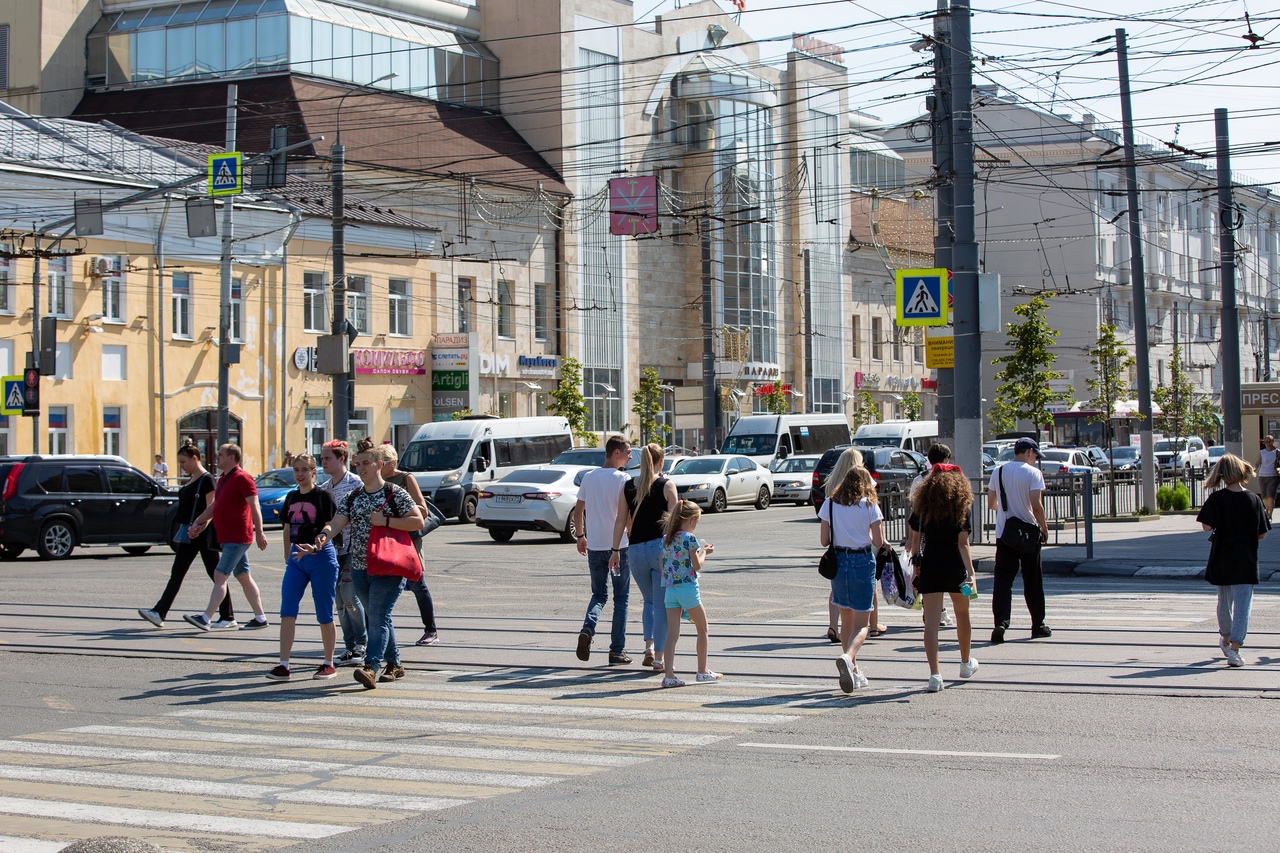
(1088, 515)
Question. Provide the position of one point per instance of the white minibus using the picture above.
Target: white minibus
(768, 437)
(908, 435)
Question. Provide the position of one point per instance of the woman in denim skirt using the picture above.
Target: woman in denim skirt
(851, 520)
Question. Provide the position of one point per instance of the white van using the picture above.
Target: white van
(908, 435)
(768, 437)
(452, 459)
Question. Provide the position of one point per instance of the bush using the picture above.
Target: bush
(1181, 498)
(1164, 498)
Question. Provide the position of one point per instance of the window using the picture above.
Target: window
(541, 312)
(111, 432)
(4, 56)
(897, 344)
(315, 429)
(182, 305)
(236, 334)
(84, 479)
(62, 362)
(917, 346)
(398, 307)
(358, 426)
(504, 404)
(358, 303)
(59, 287)
(466, 304)
(506, 307)
(855, 336)
(877, 345)
(315, 316)
(113, 363)
(59, 429)
(6, 436)
(6, 280)
(123, 481)
(113, 292)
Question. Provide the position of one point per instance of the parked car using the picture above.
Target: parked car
(273, 485)
(893, 469)
(670, 461)
(793, 478)
(594, 456)
(1189, 454)
(55, 503)
(1098, 457)
(718, 480)
(1125, 461)
(1066, 461)
(988, 464)
(537, 497)
(1216, 452)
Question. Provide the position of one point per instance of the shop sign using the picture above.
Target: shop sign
(306, 359)
(537, 365)
(901, 383)
(450, 380)
(495, 365)
(866, 380)
(453, 363)
(390, 362)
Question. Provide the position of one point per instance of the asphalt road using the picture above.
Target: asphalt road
(1123, 731)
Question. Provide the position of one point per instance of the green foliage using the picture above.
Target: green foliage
(1164, 498)
(1023, 391)
(457, 416)
(1181, 498)
(1176, 399)
(567, 402)
(1204, 420)
(774, 399)
(911, 405)
(1110, 382)
(648, 405)
(865, 410)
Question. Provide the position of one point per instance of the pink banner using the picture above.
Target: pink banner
(633, 205)
(390, 362)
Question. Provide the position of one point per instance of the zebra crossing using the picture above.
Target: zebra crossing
(263, 772)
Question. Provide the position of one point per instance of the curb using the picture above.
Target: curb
(1118, 569)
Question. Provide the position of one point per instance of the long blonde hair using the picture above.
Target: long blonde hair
(650, 469)
(1228, 471)
(674, 520)
(852, 481)
(850, 458)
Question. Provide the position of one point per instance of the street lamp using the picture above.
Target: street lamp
(608, 389)
(341, 381)
(532, 386)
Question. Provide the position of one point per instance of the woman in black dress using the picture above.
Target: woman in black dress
(940, 518)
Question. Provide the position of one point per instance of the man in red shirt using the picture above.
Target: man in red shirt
(237, 523)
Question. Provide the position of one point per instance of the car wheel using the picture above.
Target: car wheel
(57, 540)
(467, 515)
(718, 501)
(763, 498)
(570, 532)
(137, 550)
(501, 534)
(11, 552)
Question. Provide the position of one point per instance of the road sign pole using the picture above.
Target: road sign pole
(35, 337)
(224, 311)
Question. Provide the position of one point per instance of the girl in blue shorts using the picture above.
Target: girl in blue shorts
(305, 512)
(682, 559)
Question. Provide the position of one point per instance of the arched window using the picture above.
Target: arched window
(201, 429)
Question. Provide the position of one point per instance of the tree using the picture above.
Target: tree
(1109, 383)
(911, 405)
(1023, 391)
(648, 405)
(1176, 399)
(865, 410)
(457, 416)
(1204, 420)
(774, 398)
(567, 402)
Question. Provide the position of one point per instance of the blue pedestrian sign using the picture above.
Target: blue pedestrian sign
(12, 402)
(921, 297)
(226, 175)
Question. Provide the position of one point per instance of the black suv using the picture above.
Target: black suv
(893, 469)
(54, 503)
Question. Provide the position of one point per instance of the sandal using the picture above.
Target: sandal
(878, 632)
(832, 635)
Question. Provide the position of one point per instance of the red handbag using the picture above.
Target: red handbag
(391, 552)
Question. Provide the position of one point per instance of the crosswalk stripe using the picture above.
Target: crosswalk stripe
(116, 816)
(10, 844)
(374, 800)
(157, 755)
(441, 726)
(640, 693)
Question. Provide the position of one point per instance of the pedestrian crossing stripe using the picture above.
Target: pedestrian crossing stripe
(12, 396)
(921, 297)
(226, 177)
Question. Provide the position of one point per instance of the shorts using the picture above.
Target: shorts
(234, 560)
(685, 596)
(854, 585)
(1268, 486)
(321, 571)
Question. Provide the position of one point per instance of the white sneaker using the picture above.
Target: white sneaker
(935, 684)
(968, 668)
(224, 624)
(1233, 657)
(844, 665)
(860, 680)
(1223, 644)
(152, 617)
(947, 620)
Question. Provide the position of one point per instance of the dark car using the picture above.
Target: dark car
(893, 469)
(54, 503)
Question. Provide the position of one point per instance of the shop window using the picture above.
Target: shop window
(358, 426)
(505, 403)
(315, 426)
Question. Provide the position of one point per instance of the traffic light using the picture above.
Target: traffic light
(31, 391)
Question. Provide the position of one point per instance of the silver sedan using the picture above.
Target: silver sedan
(717, 481)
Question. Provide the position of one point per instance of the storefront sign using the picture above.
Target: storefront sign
(306, 359)
(390, 362)
(901, 383)
(537, 365)
(495, 365)
(454, 375)
(819, 48)
(866, 380)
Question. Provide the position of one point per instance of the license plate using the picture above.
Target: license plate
(507, 499)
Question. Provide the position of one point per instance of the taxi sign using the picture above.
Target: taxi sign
(921, 297)
(11, 404)
(226, 173)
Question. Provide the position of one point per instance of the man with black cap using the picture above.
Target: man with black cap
(1015, 493)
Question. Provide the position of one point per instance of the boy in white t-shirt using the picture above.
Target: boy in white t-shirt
(599, 500)
(1023, 486)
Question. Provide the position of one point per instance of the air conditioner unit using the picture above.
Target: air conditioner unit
(99, 267)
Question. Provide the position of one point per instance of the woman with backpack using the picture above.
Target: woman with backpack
(852, 522)
(940, 543)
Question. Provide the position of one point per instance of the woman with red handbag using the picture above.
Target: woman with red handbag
(376, 520)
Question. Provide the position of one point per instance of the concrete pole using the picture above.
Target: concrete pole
(945, 199)
(1230, 353)
(340, 380)
(710, 403)
(224, 308)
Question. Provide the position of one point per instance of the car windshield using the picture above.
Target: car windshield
(796, 466)
(699, 466)
(751, 444)
(875, 441)
(580, 457)
(1125, 452)
(1056, 455)
(440, 454)
(280, 478)
(1215, 452)
(540, 476)
(1168, 446)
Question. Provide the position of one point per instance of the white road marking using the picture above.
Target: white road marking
(936, 752)
(117, 816)
(115, 753)
(393, 802)
(440, 726)
(454, 777)
(134, 782)
(11, 844)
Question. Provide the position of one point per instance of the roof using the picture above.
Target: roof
(382, 129)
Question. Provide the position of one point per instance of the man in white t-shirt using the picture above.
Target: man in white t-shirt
(594, 515)
(1023, 487)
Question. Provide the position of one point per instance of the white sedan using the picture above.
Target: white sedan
(717, 481)
(536, 497)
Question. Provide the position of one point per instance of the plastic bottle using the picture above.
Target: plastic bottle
(970, 591)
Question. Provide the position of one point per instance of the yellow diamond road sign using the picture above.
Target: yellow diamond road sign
(226, 177)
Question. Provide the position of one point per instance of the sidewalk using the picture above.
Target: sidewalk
(1171, 546)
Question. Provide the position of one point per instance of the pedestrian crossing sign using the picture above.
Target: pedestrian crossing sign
(12, 402)
(921, 297)
(226, 177)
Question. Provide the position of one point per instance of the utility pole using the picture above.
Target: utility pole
(33, 360)
(1230, 353)
(968, 344)
(1138, 274)
(224, 309)
(808, 333)
(709, 401)
(341, 381)
(1266, 344)
(945, 198)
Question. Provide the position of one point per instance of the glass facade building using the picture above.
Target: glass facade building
(225, 38)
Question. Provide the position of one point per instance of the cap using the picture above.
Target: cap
(1025, 444)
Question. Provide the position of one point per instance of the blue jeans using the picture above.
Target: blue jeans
(646, 568)
(350, 609)
(378, 593)
(234, 561)
(598, 563)
(1234, 603)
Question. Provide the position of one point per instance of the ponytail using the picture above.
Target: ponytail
(674, 520)
(650, 468)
